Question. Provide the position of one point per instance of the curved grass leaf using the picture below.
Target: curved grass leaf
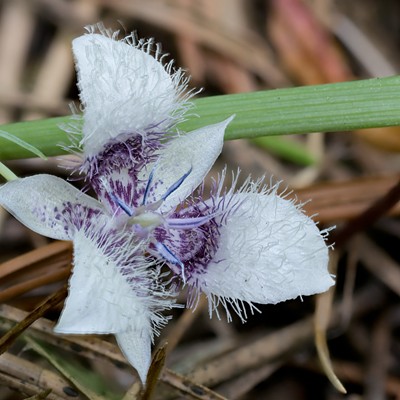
(19, 142)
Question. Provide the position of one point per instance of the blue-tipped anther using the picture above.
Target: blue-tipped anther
(177, 184)
(171, 189)
(114, 198)
(121, 204)
(149, 181)
(169, 256)
(189, 223)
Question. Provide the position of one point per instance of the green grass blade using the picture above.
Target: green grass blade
(286, 149)
(18, 141)
(333, 107)
(44, 134)
(6, 173)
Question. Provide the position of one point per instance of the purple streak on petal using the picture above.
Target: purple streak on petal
(72, 216)
(196, 246)
(121, 163)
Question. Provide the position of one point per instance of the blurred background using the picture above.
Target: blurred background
(231, 46)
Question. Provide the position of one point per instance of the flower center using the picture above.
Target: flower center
(144, 219)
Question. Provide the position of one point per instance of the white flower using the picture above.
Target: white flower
(253, 246)
(236, 247)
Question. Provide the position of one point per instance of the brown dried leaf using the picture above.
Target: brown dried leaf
(387, 139)
(380, 264)
(308, 51)
(337, 201)
(8, 339)
(157, 364)
(33, 379)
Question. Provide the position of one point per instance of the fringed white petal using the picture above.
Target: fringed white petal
(136, 347)
(269, 251)
(102, 296)
(48, 205)
(195, 152)
(125, 88)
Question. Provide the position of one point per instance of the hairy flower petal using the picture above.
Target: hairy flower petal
(124, 87)
(114, 289)
(268, 251)
(194, 152)
(101, 299)
(49, 206)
